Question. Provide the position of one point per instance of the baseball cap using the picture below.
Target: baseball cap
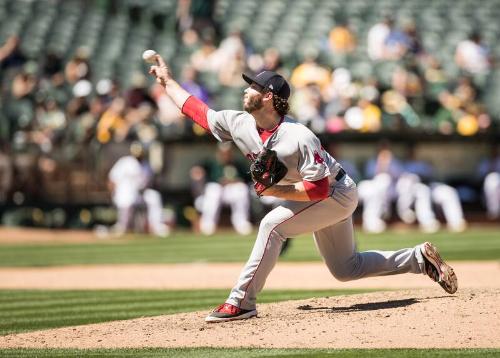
(271, 81)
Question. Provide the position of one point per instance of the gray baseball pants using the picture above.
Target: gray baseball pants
(330, 220)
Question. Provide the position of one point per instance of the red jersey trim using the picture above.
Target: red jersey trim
(197, 111)
(317, 190)
(266, 133)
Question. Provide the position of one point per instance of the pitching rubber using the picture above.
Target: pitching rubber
(447, 277)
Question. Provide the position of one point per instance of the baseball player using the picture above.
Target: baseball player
(489, 169)
(289, 162)
(129, 179)
(223, 183)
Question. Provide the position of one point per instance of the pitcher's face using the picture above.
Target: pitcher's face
(253, 98)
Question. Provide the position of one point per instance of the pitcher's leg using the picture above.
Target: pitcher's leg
(287, 220)
(336, 245)
(264, 255)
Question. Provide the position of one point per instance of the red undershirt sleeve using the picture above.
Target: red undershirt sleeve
(317, 190)
(197, 111)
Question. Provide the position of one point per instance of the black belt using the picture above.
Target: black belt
(340, 174)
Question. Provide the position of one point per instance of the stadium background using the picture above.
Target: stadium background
(75, 94)
(69, 60)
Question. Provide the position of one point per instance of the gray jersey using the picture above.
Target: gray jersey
(296, 146)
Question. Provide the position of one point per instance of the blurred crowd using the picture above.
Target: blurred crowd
(55, 115)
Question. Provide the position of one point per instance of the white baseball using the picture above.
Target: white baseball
(149, 56)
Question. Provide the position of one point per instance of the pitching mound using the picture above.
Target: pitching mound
(404, 319)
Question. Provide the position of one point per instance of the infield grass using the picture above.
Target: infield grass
(262, 353)
(182, 247)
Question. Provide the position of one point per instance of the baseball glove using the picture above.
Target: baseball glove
(266, 170)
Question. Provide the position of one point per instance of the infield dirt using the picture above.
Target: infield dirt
(404, 319)
(414, 318)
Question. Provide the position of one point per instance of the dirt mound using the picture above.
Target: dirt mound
(403, 319)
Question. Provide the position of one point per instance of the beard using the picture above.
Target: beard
(253, 104)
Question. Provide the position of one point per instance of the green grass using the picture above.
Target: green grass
(226, 353)
(27, 310)
(475, 244)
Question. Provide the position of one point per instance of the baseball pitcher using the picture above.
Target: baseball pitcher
(289, 162)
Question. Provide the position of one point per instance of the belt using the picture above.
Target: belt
(340, 174)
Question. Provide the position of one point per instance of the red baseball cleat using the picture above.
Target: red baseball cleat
(229, 312)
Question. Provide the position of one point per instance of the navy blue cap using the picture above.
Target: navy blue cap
(271, 81)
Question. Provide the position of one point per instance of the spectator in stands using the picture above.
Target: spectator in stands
(50, 125)
(138, 92)
(189, 81)
(415, 46)
(436, 81)
(196, 14)
(53, 82)
(461, 112)
(489, 169)
(20, 102)
(472, 55)
(306, 104)
(371, 114)
(52, 65)
(310, 72)
(24, 83)
(78, 67)
(377, 36)
(169, 116)
(202, 58)
(80, 103)
(140, 124)
(130, 181)
(340, 93)
(397, 43)
(272, 60)
(112, 123)
(407, 82)
(230, 75)
(79, 141)
(229, 60)
(11, 55)
(222, 181)
(342, 39)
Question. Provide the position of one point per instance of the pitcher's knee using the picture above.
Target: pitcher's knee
(343, 277)
(268, 224)
(343, 274)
